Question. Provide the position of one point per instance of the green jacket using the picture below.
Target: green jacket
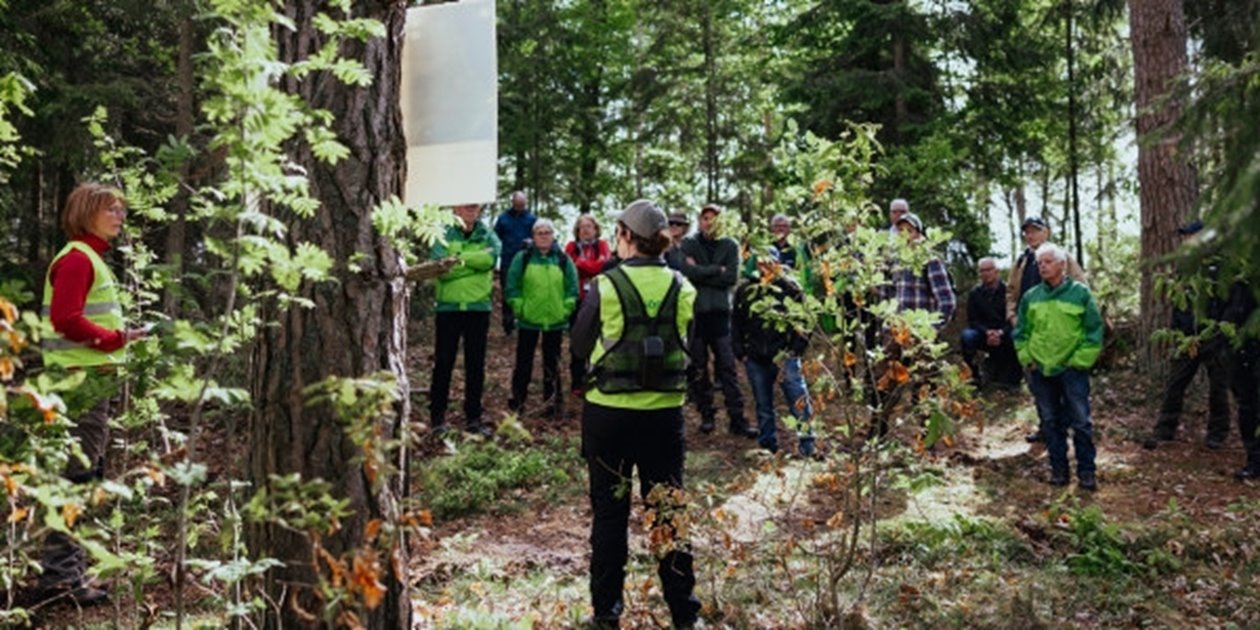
(467, 286)
(1058, 328)
(543, 293)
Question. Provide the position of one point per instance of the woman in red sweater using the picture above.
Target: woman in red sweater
(81, 305)
(589, 253)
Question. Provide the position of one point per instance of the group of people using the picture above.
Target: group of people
(543, 285)
(645, 310)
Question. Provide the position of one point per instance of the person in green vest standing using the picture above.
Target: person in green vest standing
(633, 326)
(463, 312)
(82, 309)
(542, 289)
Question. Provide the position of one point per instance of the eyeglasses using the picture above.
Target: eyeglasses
(678, 224)
(117, 209)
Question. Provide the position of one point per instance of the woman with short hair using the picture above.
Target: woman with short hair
(542, 289)
(82, 308)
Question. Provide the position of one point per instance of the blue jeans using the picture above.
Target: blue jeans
(1063, 403)
(762, 376)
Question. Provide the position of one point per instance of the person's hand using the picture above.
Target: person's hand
(132, 334)
(691, 261)
(448, 263)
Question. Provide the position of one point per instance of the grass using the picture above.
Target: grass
(486, 477)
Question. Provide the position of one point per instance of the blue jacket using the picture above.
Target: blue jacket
(513, 229)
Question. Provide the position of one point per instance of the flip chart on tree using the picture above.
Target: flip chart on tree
(450, 103)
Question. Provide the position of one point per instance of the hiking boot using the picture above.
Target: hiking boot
(478, 428)
(1214, 442)
(743, 430)
(1159, 435)
(1035, 436)
(805, 446)
(81, 596)
(1087, 481)
(707, 425)
(1058, 477)
(1250, 471)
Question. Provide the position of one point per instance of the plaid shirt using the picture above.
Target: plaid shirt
(928, 290)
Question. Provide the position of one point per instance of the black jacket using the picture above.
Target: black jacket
(986, 308)
(715, 272)
(756, 336)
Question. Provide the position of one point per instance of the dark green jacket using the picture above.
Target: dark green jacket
(543, 293)
(1058, 328)
(715, 273)
(467, 286)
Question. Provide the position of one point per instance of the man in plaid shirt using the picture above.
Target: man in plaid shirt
(926, 289)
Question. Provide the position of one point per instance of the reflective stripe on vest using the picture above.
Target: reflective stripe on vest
(101, 308)
(648, 354)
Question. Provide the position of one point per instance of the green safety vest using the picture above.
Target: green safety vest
(640, 361)
(101, 308)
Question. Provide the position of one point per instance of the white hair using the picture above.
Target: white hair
(780, 218)
(986, 259)
(1057, 252)
(902, 203)
(543, 223)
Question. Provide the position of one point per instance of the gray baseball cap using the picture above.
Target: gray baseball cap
(643, 218)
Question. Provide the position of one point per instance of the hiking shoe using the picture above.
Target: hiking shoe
(1250, 471)
(1058, 477)
(1158, 436)
(1087, 481)
(805, 446)
(743, 430)
(484, 430)
(82, 596)
(707, 425)
(1214, 442)
(1035, 436)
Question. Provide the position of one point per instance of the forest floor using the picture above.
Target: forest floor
(968, 535)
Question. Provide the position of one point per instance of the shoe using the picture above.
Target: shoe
(1214, 442)
(1087, 481)
(805, 446)
(515, 406)
(1058, 477)
(707, 425)
(440, 431)
(1250, 471)
(484, 430)
(1035, 436)
(81, 596)
(773, 447)
(743, 430)
(601, 623)
(1158, 436)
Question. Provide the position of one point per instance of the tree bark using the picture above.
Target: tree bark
(1167, 186)
(358, 324)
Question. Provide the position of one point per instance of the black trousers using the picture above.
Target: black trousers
(614, 443)
(473, 327)
(700, 388)
(1246, 385)
(523, 372)
(64, 562)
(577, 365)
(1214, 356)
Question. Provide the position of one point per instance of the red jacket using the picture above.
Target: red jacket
(589, 260)
(71, 278)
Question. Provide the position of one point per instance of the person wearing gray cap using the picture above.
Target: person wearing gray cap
(713, 266)
(1024, 276)
(633, 328)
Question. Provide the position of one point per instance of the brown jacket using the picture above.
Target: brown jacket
(1074, 271)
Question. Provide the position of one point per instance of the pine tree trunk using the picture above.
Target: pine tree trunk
(176, 234)
(1166, 181)
(357, 326)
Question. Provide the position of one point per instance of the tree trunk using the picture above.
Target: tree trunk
(710, 103)
(358, 324)
(1167, 187)
(176, 234)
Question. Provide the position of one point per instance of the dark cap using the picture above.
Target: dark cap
(1034, 221)
(714, 208)
(1193, 227)
(913, 219)
(679, 218)
(643, 218)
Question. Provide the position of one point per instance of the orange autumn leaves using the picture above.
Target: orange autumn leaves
(15, 342)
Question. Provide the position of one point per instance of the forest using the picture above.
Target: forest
(240, 416)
